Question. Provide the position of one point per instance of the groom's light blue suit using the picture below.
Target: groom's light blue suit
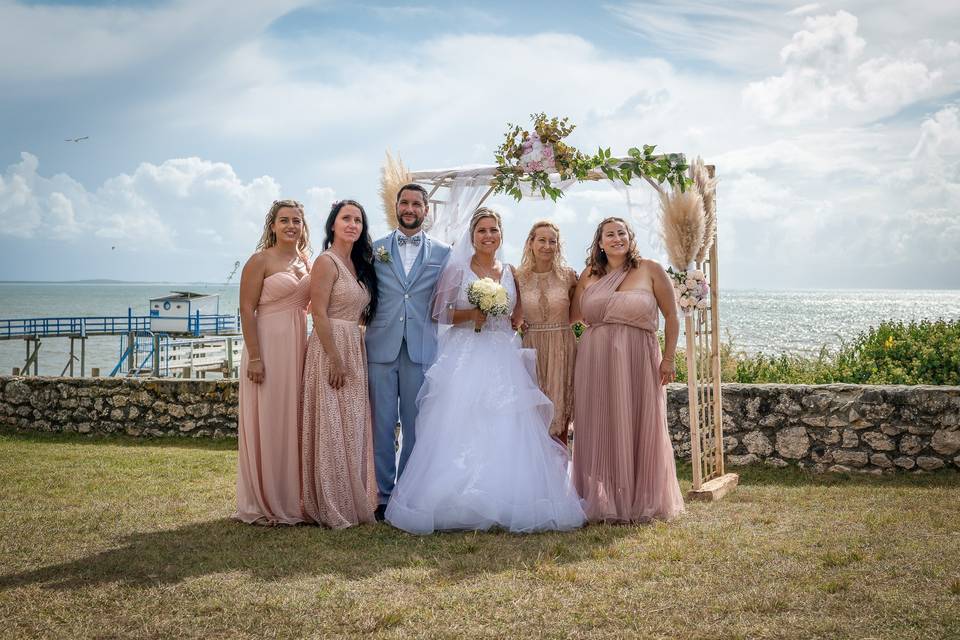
(400, 343)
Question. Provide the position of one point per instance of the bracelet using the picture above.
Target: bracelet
(254, 360)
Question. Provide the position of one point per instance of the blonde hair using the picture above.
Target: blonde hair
(269, 238)
(529, 261)
(480, 214)
(597, 259)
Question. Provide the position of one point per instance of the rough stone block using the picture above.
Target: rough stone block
(878, 441)
(881, 460)
(929, 463)
(945, 442)
(756, 442)
(850, 458)
(905, 463)
(742, 461)
(892, 430)
(911, 445)
(793, 442)
(850, 439)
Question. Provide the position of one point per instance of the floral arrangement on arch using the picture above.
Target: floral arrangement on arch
(691, 288)
(533, 156)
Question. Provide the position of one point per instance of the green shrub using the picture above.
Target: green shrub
(924, 352)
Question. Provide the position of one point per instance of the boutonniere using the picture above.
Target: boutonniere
(383, 255)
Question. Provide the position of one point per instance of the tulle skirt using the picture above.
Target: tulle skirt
(484, 457)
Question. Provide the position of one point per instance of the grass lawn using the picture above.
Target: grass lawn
(116, 538)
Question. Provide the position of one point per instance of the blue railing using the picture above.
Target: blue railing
(109, 325)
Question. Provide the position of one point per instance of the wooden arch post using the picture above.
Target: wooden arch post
(705, 403)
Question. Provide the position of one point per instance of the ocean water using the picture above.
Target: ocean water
(798, 321)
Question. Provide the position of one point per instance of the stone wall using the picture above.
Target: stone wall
(137, 407)
(837, 427)
(826, 427)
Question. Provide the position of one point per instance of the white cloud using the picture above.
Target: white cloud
(45, 43)
(825, 75)
(182, 206)
(804, 9)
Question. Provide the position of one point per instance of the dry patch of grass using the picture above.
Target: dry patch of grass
(120, 538)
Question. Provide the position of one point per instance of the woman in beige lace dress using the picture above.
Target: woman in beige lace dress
(339, 488)
(546, 288)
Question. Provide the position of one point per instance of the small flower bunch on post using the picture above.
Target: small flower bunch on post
(489, 296)
(692, 289)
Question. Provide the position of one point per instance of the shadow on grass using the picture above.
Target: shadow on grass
(119, 440)
(224, 546)
(758, 475)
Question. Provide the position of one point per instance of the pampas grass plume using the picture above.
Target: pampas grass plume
(683, 226)
(707, 187)
(393, 175)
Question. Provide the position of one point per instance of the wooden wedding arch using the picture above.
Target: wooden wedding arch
(701, 327)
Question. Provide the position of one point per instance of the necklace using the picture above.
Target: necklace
(482, 271)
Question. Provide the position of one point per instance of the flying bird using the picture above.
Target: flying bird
(77, 139)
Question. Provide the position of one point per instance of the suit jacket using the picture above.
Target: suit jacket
(403, 305)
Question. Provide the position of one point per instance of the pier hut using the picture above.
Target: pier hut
(177, 312)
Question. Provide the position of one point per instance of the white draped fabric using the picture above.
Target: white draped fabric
(464, 188)
(450, 218)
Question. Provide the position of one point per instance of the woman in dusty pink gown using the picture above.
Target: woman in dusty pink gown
(339, 487)
(274, 294)
(623, 465)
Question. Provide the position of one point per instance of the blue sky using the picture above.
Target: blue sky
(835, 127)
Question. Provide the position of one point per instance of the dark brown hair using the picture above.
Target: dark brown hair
(597, 259)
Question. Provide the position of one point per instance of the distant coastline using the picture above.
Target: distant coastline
(120, 282)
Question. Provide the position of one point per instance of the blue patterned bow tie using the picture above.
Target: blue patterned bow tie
(402, 240)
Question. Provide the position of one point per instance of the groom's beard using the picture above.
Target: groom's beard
(416, 224)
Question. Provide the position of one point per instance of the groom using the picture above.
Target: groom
(400, 341)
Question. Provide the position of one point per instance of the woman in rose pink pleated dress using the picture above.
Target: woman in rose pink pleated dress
(623, 465)
(274, 295)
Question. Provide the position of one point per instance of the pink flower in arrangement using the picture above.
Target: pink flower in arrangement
(536, 156)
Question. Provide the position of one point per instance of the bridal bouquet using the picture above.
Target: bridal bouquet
(692, 289)
(488, 296)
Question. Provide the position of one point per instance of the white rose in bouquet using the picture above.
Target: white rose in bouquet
(489, 296)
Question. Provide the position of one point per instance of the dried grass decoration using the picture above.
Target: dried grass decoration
(682, 219)
(393, 175)
(707, 187)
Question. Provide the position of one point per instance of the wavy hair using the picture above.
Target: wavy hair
(529, 261)
(597, 259)
(269, 238)
(361, 254)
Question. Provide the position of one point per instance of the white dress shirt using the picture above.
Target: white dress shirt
(409, 251)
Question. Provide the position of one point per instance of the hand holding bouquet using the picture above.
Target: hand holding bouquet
(489, 297)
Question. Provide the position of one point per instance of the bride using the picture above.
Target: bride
(483, 456)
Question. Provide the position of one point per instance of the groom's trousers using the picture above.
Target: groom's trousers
(393, 392)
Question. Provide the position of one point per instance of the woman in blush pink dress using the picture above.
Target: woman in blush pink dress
(623, 465)
(274, 294)
(339, 487)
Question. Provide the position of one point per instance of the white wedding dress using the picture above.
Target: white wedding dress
(483, 456)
